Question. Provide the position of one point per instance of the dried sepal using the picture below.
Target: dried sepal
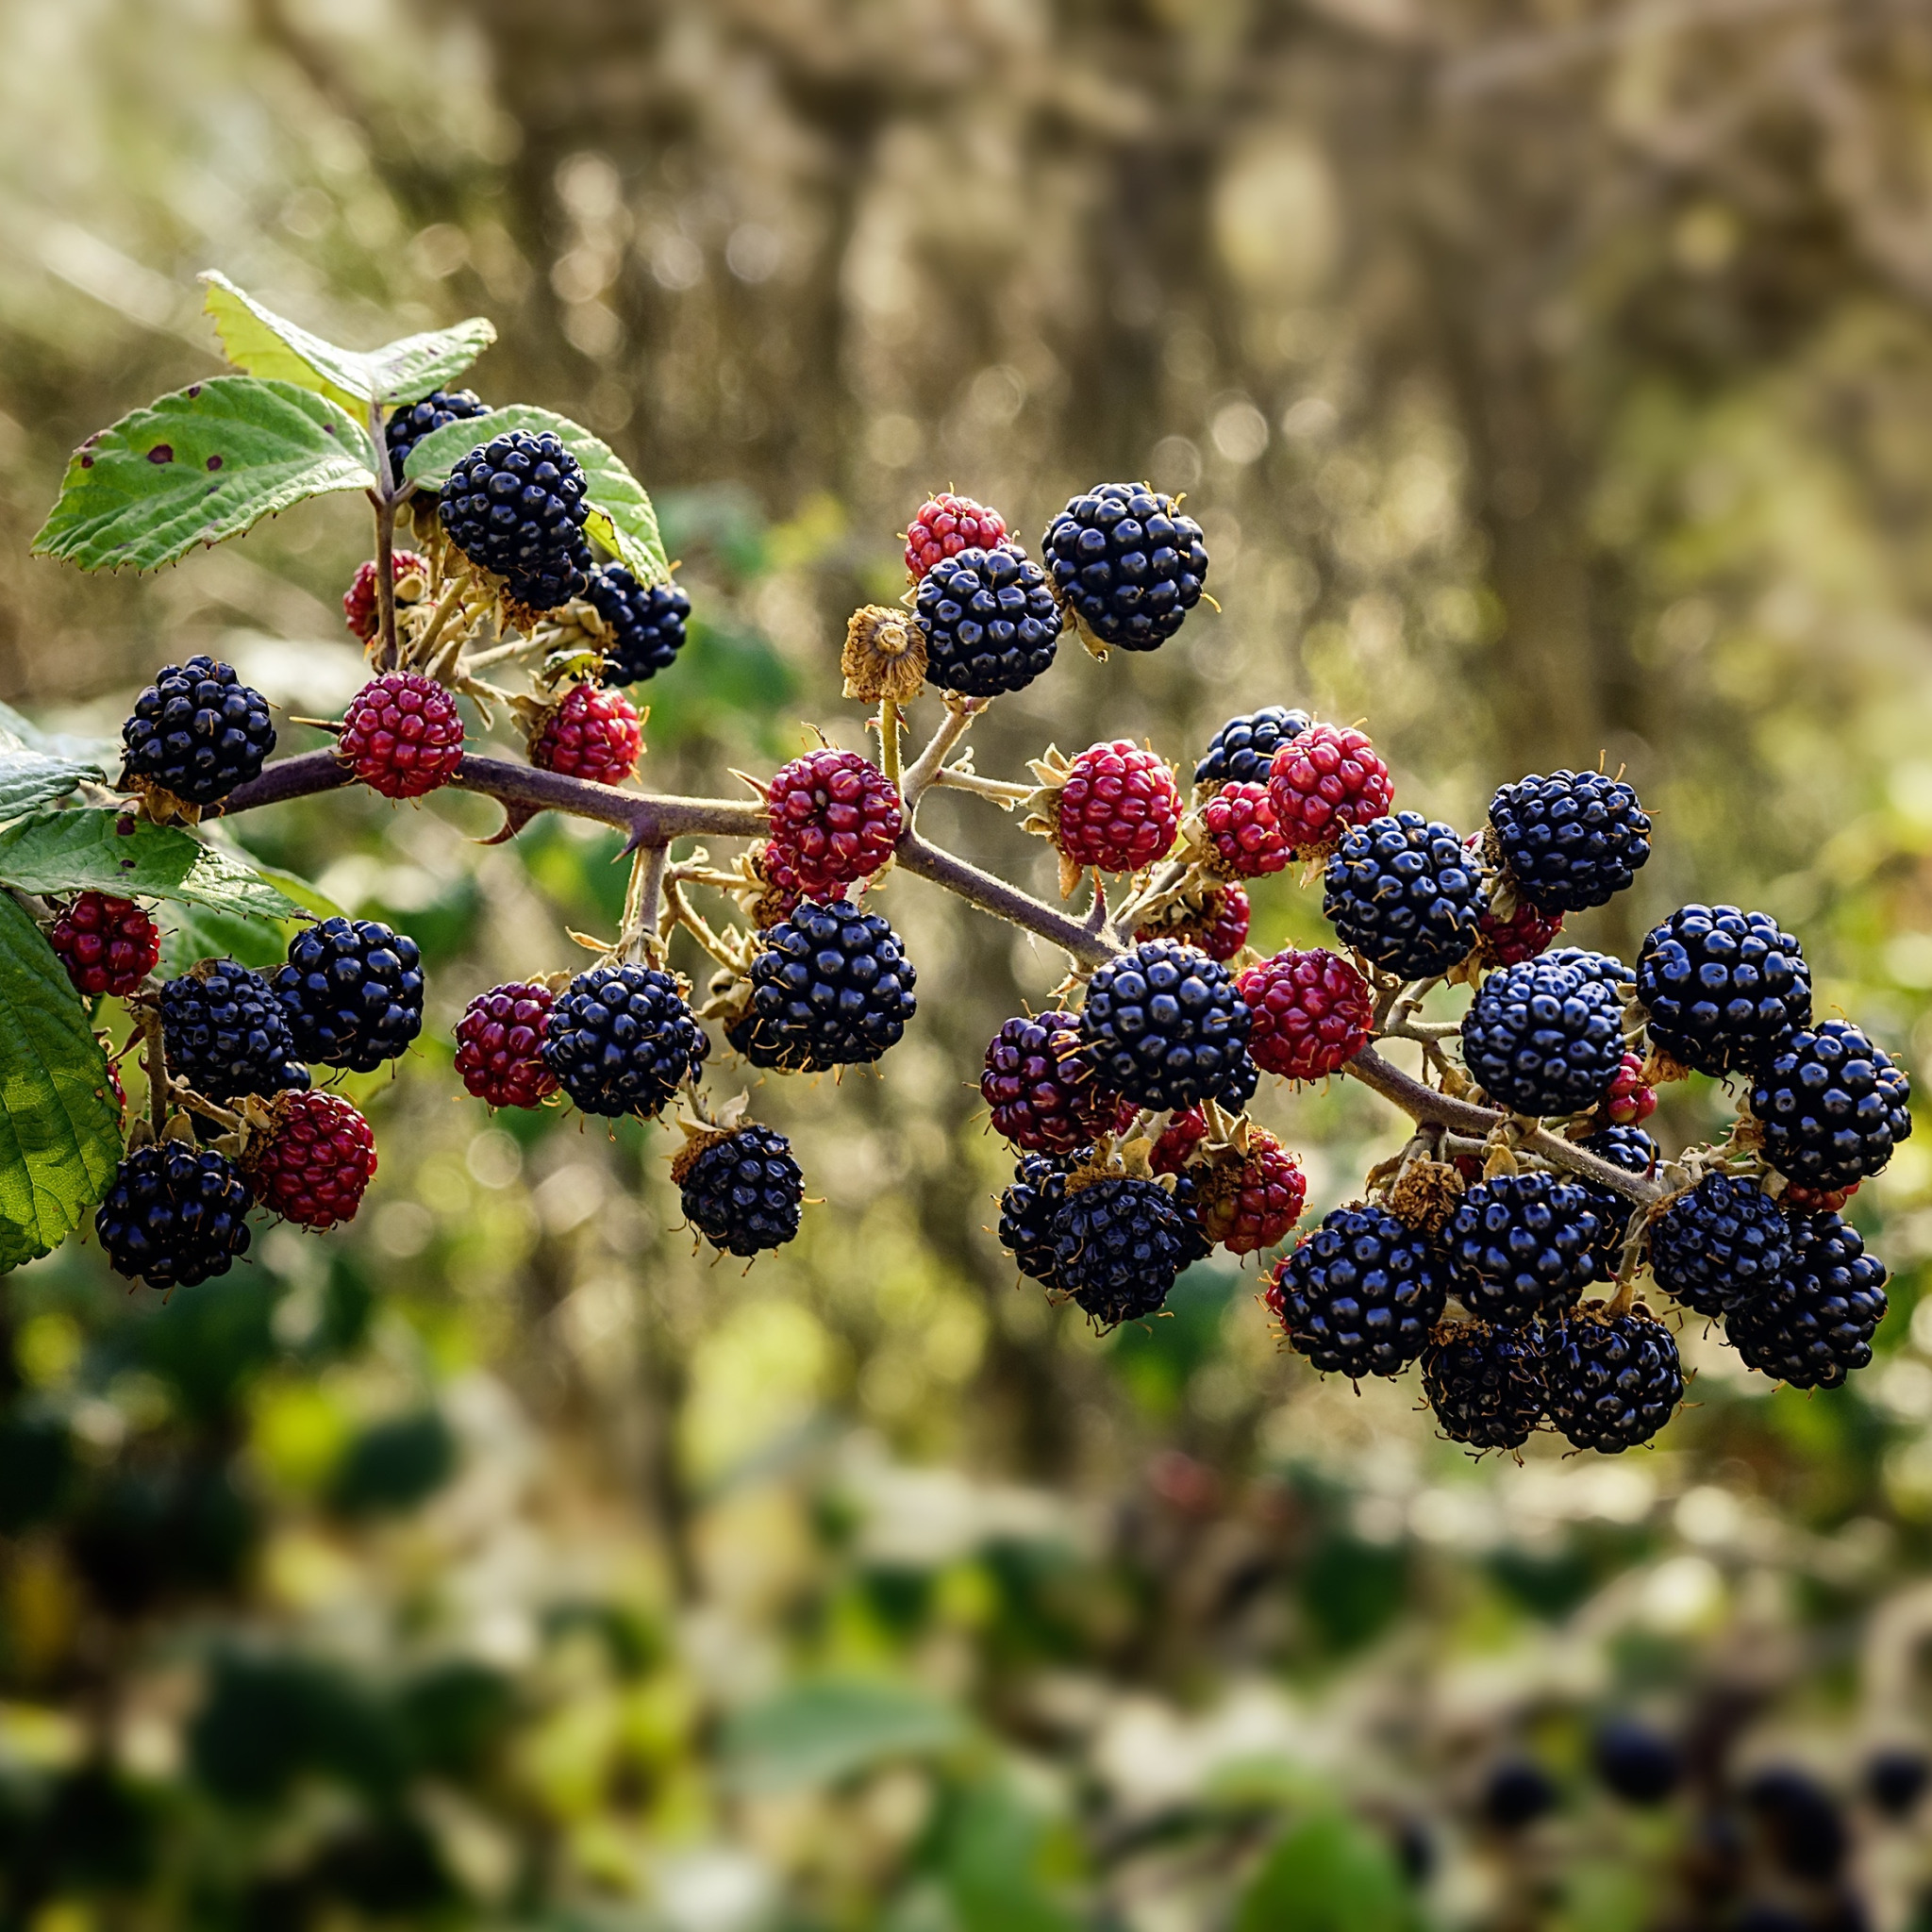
(884, 655)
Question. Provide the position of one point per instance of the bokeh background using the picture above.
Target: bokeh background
(1553, 381)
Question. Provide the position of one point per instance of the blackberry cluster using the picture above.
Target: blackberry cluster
(198, 731)
(1720, 987)
(225, 1033)
(1164, 1027)
(1029, 1209)
(1635, 1152)
(834, 818)
(1486, 1384)
(1119, 1246)
(1242, 752)
(1614, 1380)
(1402, 892)
(1127, 563)
(990, 621)
(742, 1190)
(1720, 1245)
(620, 1040)
(352, 992)
(831, 987)
(173, 1215)
(1814, 1325)
(1832, 1106)
(1043, 1093)
(1544, 1038)
(647, 623)
(1361, 1295)
(1571, 840)
(1521, 1245)
(410, 424)
(516, 507)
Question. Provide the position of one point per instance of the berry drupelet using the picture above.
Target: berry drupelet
(1118, 809)
(197, 732)
(834, 818)
(1323, 780)
(1242, 833)
(108, 946)
(1814, 1325)
(1614, 1380)
(1720, 1245)
(1521, 1245)
(352, 992)
(1127, 563)
(1540, 1038)
(402, 735)
(1720, 987)
(1242, 751)
(1311, 1013)
(620, 1040)
(646, 623)
(316, 1162)
(590, 733)
(1831, 1105)
(990, 621)
(1164, 1027)
(831, 987)
(742, 1189)
(227, 1035)
(173, 1215)
(500, 1045)
(516, 507)
(412, 421)
(1029, 1209)
(1571, 840)
(1402, 892)
(945, 525)
(1486, 1384)
(1118, 1247)
(1360, 1295)
(1041, 1092)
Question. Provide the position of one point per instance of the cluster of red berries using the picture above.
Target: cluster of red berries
(834, 818)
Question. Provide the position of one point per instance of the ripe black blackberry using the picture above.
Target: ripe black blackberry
(1571, 840)
(1516, 1793)
(1720, 1245)
(173, 1215)
(1243, 750)
(412, 421)
(1720, 987)
(647, 623)
(742, 1189)
(1028, 1207)
(1485, 1383)
(198, 731)
(1521, 1245)
(1361, 1295)
(1635, 1152)
(1814, 1325)
(990, 621)
(1401, 890)
(831, 987)
(1635, 1762)
(1604, 966)
(620, 1040)
(1896, 1779)
(353, 992)
(1118, 1247)
(1614, 1380)
(1542, 1038)
(225, 1033)
(516, 507)
(1832, 1106)
(1127, 563)
(1164, 1027)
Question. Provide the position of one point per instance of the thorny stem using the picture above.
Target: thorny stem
(154, 1060)
(639, 933)
(952, 779)
(385, 543)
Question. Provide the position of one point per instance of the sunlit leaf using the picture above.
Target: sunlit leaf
(104, 850)
(821, 1732)
(1327, 1874)
(29, 779)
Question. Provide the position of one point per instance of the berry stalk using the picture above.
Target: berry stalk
(389, 655)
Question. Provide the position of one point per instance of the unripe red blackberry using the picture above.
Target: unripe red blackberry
(1323, 780)
(742, 1189)
(1119, 1246)
(1118, 809)
(1814, 1325)
(1571, 840)
(590, 733)
(1400, 890)
(1524, 935)
(402, 735)
(1630, 1101)
(1163, 1027)
(1486, 1384)
(1541, 1038)
(1041, 1092)
(1243, 750)
(360, 610)
(197, 732)
(1614, 1380)
(1521, 1245)
(315, 1162)
(1212, 918)
(108, 946)
(1312, 1012)
(945, 525)
(1177, 1142)
(1243, 833)
(1799, 1199)
(1720, 1245)
(1831, 1105)
(1360, 1294)
(1127, 563)
(834, 818)
(1250, 1199)
(500, 1045)
(1720, 987)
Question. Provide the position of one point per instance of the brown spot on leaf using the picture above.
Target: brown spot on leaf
(87, 463)
(161, 452)
(214, 462)
(194, 390)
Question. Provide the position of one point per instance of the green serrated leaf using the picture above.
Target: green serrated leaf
(105, 850)
(60, 1127)
(192, 933)
(620, 516)
(30, 779)
(256, 339)
(1327, 1874)
(198, 467)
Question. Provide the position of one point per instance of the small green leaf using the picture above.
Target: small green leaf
(821, 1732)
(104, 850)
(259, 341)
(198, 467)
(29, 779)
(59, 1128)
(1327, 1874)
(620, 517)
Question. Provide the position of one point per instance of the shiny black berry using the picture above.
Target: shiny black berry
(1832, 1106)
(1127, 563)
(1360, 1295)
(831, 987)
(1801, 1827)
(1486, 1384)
(1164, 1027)
(198, 731)
(647, 623)
(1635, 1152)
(1541, 1038)
(1720, 987)
(1720, 1245)
(1244, 749)
(173, 1215)
(620, 1040)
(1571, 840)
(990, 621)
(1118, 1247)
(412, 421)
(1638, 1764)
(227, 1035)
(1402, 890)
(743, 1193)
(1604, 966)
(353, 992)
(1813, 1325)
(1517, 1793)
(1613, 1380)
(516, 507)
(1027, 1210)
(1521, 1245)
(1896, 1779)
